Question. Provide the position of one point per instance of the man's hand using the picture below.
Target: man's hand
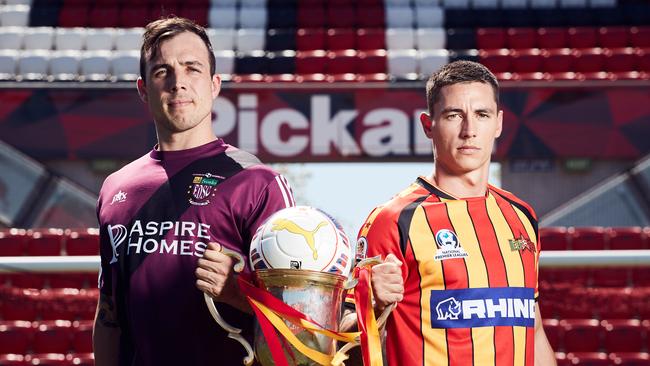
(215, 275)
(387, 282)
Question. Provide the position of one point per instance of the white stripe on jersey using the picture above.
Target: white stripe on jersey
(288, 187)
(286, 192)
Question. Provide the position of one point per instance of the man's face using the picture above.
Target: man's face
(463, 127)
(179, 88)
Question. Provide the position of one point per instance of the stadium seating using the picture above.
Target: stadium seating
(15, 336)
(623, 335)
(581, 335)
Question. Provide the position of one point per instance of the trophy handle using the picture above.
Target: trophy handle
(233, 333)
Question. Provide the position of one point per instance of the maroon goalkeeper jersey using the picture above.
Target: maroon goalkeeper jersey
(156, 216)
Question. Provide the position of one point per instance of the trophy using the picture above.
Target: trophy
(301, 260)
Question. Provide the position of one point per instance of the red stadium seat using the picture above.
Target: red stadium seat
(588, 358)
(74, 16)
(103, 16)
(561, 359)
(627, 238)
(581, 335)
(59, 303)
(48, 359)
(311, 62)
(615, 302)
(341, 17)
(491, 38)
(83, 359)
(521, 38)
(582, 37)
(613, 37)
(549, 38)
(162, 10)
(82, 338)
(342, 62)
(12, 359)
(370, 39)
(554, 238)
(311, 17)
(590, 60)
(370, 16)
(558, 60)
(28, 280)
(588, 238)
(621, 60)
(610, 277)
(308, 39)
(82, 242)
(644, 60)
(19, 304)
(372, 62)
(133, 16)
(52, 336)
(527, 60)
(623, 335)
(554, 333)
(630, 358)
(12, 242)
(498, 61)
(45, 242)
(640, 276)
(640, 36)
(340, 39)
(197, 13)
(15, 336)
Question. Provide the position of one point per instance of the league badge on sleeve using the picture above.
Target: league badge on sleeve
(448, 246)
(203, 188)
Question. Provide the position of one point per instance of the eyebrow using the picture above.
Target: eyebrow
(185, 63)
(459, 110)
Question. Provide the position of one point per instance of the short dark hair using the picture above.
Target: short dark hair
(165, 28)
(459, 72)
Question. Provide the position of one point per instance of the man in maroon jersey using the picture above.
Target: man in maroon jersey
(165, 217)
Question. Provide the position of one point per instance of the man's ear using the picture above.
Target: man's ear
(142, 90)
(427, 123)
(216, 85)
(499, 124)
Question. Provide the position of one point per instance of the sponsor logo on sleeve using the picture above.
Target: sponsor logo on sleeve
(448, 246)
(483, 307)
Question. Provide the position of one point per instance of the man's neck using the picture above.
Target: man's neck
(472, 184)
(194, 137)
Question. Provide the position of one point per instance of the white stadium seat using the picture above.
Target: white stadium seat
(250, 39)
(427, 2)
(252, 18)
(455, 4)
(223, 17)
(400, 38)
(100, 39)
(602, 3)
(485, 4)
(225, 62)
(38, 38)
(431, 61)
(398, 2)
(253, 3)
(573, 3)
(14, 15)
(128, 39)
(18, 2)
(8, 64)
(429, 17)
(402, 63)
(232, 3)
(95, 65)
(64, 65)
(69, 39)
(33, 65)
(514, 4)
(11, 38)
(125, 65)
(399, 17)
(430, 38)
(542, 3)
(222, 39)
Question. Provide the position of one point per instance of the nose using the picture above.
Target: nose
(469, 127)
(176, 81)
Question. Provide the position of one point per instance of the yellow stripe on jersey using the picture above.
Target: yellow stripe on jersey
(514, 270)
(432, 278)
(483, 337)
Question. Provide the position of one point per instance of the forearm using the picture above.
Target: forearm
(106, 334)
(544, 355)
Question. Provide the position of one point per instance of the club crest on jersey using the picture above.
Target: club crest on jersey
(202, 188)
(522, 244)
(448, 246)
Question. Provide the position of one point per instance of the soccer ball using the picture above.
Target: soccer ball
(303, 238)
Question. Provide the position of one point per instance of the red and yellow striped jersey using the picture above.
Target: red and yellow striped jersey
(470, 276)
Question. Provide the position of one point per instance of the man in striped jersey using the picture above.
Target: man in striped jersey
(462, 254)
(165, 217)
